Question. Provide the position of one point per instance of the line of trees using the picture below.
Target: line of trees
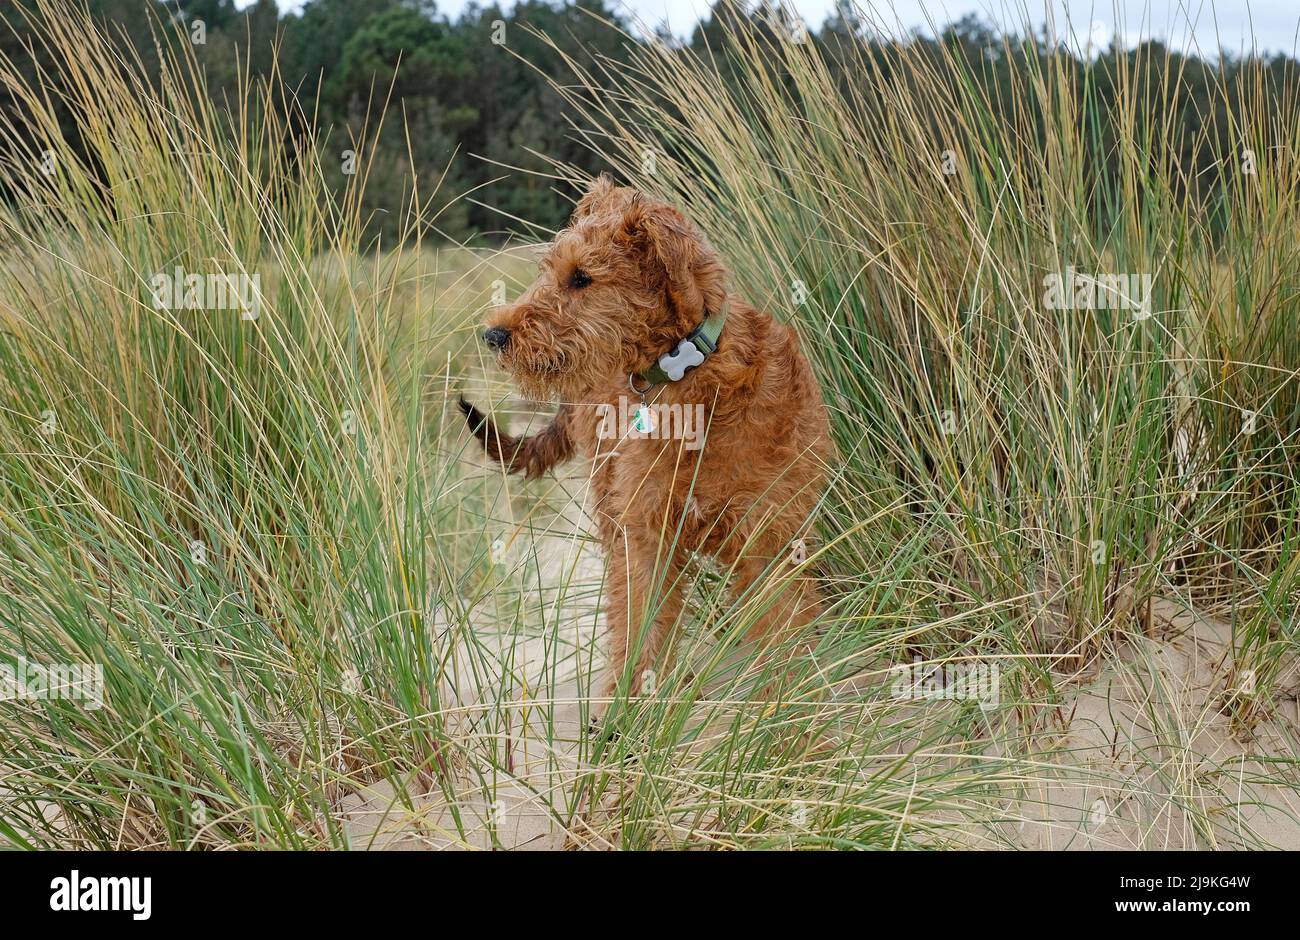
(470, 101)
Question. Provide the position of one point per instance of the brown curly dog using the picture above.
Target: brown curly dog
(703, 422)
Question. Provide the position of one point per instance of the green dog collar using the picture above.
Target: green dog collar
(689, 353)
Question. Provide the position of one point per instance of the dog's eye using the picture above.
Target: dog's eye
(579, 279)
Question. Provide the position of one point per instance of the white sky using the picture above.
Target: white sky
(1236, 25)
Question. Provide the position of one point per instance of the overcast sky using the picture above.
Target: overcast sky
(1236, 25)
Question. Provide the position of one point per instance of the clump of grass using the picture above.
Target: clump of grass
(1021, 479)
(318, 622)
(231, 508)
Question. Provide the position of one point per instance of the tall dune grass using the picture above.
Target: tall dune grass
(301, 593)
(1072, 462)
(1020, 482)
(230, 509)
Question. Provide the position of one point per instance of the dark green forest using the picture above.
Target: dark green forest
(468, 100)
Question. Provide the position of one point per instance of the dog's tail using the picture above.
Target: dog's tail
(532, 455)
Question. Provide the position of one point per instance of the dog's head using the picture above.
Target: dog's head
(627, 279)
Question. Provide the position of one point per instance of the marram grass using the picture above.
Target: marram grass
(321, 621)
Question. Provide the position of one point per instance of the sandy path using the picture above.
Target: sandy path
(520, 810)
(1147, 757)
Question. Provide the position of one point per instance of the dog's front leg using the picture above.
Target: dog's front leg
(784, 599)
(645, 596)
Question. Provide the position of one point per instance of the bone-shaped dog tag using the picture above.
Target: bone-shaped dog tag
(684, 357)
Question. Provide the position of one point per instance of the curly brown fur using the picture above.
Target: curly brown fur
(531, 456)
(622, 284)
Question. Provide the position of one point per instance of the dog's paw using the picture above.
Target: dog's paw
(603, 734)
(476, 420)
(608, 740)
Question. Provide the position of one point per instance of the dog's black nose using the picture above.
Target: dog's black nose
(496, 338)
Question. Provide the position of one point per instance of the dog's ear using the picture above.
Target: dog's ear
(693, 278)
(597, 194)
